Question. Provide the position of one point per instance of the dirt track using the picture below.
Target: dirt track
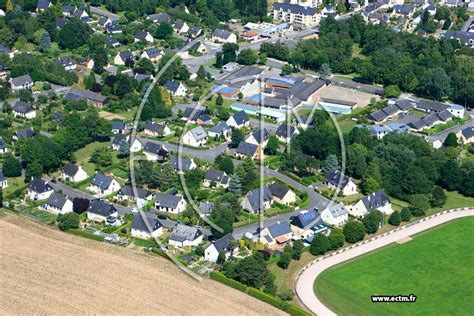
(43, 271)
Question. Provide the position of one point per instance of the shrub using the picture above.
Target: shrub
(68, 221)
(405, 214)
(220, 277)
(319, 245)
(286, 295)
(395, 219)
(354, 231)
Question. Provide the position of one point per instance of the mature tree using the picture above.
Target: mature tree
(438, 197)
(372, 221)
(331, 164)
(74, 34)
(89, 81)
(468, 185)
(219, 100)
(124, 149)
(354, 231)
(193, 178)
(223, 217)
(451, 176)
(395, 219)
(11, 166)
(146, 64)
(68, 221)
(247, 57)
(298, 247)
(405, 214)
(325, 70)
(435, 83)
(251, 271)
(286, 69)
(336, 239)
(226, 165)
(219, 60)
(392, 91)
(369, 185)
(164, 31)
(451, 140)
(229, 51)
(235, 185)
(33, 170)
(357, 160)
(319, 245)
(100, 60)
(285, 257)
(272, 145)
(420, 203)
(45, 42)
(102, 157)
(263, 58)
(236, 138)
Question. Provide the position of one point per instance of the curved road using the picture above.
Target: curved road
(305, 282)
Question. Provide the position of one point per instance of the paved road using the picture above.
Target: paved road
(442, 136)
(305, 282)
(105, 13)
(75, 193)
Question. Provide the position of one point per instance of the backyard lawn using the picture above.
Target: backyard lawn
(436, 266)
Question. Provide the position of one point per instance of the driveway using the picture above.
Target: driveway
(305, 282)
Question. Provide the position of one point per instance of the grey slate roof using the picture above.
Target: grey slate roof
(21, 80)
(468, 132)
(183, 232)
(126, 54)
(167, 200)
(118, 125)
(70, 169)
(294, 8)
(26, 132)
(81, 94)
(39, 186)
(66, 61)
(22, 107)
(140, 225)
(102, 181)
(282, 131)
(375, 200)
(216, 176)
(198, 133)
(246, 149)
(338, 210)
(172, 85)
(57, 200)
(153, 52)
(254, 197)
(185, 163)
(119, 138)
(112, 27)
(258, 135)
(154, 127)
(4, 49)
(306, 219)
(222, 244)
(2, 177)
(403, 9)
(206, 207)
(101, 208)
(159, 17)
(111, 40)
(463, 37)
(303, 90)
(431, 106)
(156, 149)
(241, 117)
(194, 31)
(334, 177)
(220, 128)
(279, 229)
(2, 144)
(127, 190)
(43, 4)
(221, 33)
(336, 101)
(278, 190)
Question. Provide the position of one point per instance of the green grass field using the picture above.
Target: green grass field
(436, 266)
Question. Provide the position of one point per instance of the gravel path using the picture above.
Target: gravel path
(305, 282)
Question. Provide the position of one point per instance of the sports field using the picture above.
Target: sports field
(437, 266)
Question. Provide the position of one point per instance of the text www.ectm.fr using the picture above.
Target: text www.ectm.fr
(393, 298)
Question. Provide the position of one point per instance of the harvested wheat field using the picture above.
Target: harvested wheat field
(43, 271)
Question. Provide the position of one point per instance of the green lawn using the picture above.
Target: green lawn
(436, 267)
(84, 153)
(455, 200)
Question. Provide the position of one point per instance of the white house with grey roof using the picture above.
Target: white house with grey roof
(183, 164)
(127, 193)
(239, 120)
(180, 27)
(3, 181)
(278, 233)
(122, 57)
(217, 177)
(67, 62)
(259, 137)
(220, 130)
(304, 223)
(72, 173)
(185, 236)
(295, 14)
(155, 152)
(345, 185)
(21, 82)
(255, 202)
(282, 194)
(103, 212)
(39, 190)
(91, 97)
(102, 185)
(245, 150)
(223, 247)
(223, 36)
(195, 137)
(376, 201)
(143, 36)
(466, 136)
(336, 214)
(58, 204)
(24, 110)
(156, 129)
(153, 53)
(176, 88)
(286, 132)
(170, 203)
(146, 227)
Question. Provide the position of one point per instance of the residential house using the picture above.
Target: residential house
(328, 10)
(223, 36)
(103, 212)
(184, 164)
(465, 38)
(145, 227)
(244, 80)
(21, 82)
(335, 214)
(159, 18)
(282, 194)
(72, 173)
(23, 133)
(345, 185)
(43, 5)
(256, 201)
(286, 132)
(93, 98)
(3, 181)
(194, 32)
(230, 66)
(123, 57)
(176, 88)
(112, 41)
(39, 190)
(24, 110)
(104, 21)
(220, 130)
(245, 150)
(58, 204)
(196, 115)
(67, 62)
(118, 127)
(295, 14)
(251, 35)
(185, 236)
(180, 27)
(143, 36)
(205, 208)
(239, 120)
(431, 120)
(113, 28)
(304, 223)
(376, 201)
(217, 178)
(81, 15)
(156, 129)
(380, 131)
(198, 47)
(153, 53)
(155, 152)
(127, 193)
(278, 233)
(391, 110)
(7, 51)
(259, 137)
(404, 10)
(195, 137)
(170, 203)
(465, 136)
(221, 247)
(102, 185)
(3, 146)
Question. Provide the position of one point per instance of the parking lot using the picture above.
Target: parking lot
(346, 94)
